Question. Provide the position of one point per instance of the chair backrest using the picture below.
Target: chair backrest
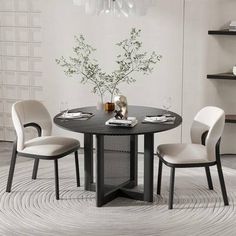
(30, 111)
(209, 119)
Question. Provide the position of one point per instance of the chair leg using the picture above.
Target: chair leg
(56, 179)
(35, 168)
(77, 169)
(12, 168)
(222, 183)
(171, 190)
(159, 177)
(209, 180)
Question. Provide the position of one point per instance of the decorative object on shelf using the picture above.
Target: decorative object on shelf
(231, 31)
(130, 60)
(117, 8)
(232, 26)
(122, 104)
(234, 70)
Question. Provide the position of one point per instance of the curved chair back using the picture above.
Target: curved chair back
(30, 111)
(209, 119)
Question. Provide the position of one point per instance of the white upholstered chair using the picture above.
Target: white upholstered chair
(203, 151)
(31, 113)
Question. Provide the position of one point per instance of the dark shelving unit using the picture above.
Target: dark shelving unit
(221, 32)
(222, 76)
(230, 118)
(228, 76)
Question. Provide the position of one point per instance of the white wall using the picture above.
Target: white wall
(161, 31)
(209, 54)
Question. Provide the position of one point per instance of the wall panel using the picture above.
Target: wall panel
(20, 58)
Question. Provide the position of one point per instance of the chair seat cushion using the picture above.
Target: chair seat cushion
(50, 146)
(183, 153)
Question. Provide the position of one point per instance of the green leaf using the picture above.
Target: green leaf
(131, 59)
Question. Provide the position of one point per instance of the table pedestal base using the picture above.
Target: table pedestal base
(123, 190)
(110, 183)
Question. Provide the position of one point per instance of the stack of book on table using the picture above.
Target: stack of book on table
(232, 26)
(130, 122)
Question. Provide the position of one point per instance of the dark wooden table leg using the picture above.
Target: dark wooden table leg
(100, 171)
(35, 168)
(148, 167)
(134, 159)
(88, 161)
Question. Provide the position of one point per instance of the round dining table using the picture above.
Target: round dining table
(117, 151)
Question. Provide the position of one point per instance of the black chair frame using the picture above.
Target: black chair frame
(192, 165)
(15, 153)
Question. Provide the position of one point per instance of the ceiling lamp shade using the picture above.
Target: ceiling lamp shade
(118, 8)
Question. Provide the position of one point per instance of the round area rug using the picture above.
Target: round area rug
(31, 207)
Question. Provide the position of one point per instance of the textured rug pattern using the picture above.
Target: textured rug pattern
(31, 207)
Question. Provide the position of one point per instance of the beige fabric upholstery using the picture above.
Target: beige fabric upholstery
(50, 146)
(183, 153)
(31, 111)
(211, 119)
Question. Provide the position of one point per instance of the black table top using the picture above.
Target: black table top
(96, 124)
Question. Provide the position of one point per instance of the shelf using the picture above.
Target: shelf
(221, 32)
(230, 119)
(227, 76)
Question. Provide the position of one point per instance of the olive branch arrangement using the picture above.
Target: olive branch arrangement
(130, 60)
